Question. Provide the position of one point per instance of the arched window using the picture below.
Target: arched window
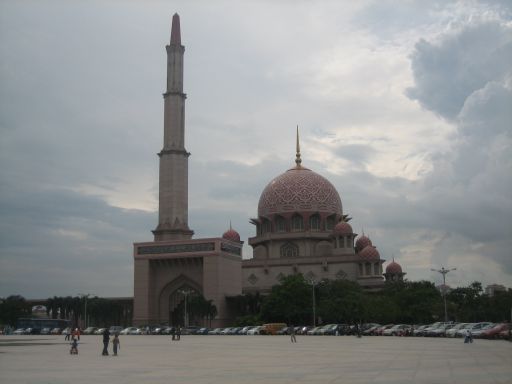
(297, 223)
(314, 223)
(368, 269)
(267, 226)
(329, 223)
(280, 224)
(289, 250)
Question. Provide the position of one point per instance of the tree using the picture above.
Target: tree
(12, 308)
(340, 301)
(290, 301)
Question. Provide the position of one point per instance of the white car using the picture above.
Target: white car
(452, 332)
(255, 331)
(131, 331)
(19, 331)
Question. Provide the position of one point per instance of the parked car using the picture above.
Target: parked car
(168, 330)
(244, 330)
(451, 332)
(19, 331)
(381, 329)
(131, 331)
(370, 330)
(99, 331)
(45, 331)
(304, 330)
(259, 330)
(440, 331)
(56, 331)
(66, 331)
(477, 333)
(313, 331)
(323, 330)
(418, 330)
(89, 330)
(398, 330)
(115, 329)
(472, 327)
(215, 331)
(506, 333)
(493, 333)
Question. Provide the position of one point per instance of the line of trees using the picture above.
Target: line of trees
(343, 301)
(100, 311)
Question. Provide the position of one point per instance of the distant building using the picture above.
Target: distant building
(493, 288)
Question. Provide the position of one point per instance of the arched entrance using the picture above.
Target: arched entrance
(173, 299)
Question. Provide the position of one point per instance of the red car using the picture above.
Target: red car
(492, 333)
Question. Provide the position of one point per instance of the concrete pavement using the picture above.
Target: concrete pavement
(256, 359)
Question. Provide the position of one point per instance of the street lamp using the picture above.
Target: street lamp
(313, 283)
(185, 292)
(85, 296)
(443, 272)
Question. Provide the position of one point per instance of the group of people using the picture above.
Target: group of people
(116, 344)
(73, 334)
(176, 333)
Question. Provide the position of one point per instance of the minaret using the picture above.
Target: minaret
(173, 185)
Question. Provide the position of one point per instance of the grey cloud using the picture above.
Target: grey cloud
(448, 72)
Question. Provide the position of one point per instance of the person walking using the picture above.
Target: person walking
(178, 333)
(469, 337)
(293, 339)
(116, 344)
(106, 339)
(74, 347)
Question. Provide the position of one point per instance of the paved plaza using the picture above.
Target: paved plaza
(256, 359)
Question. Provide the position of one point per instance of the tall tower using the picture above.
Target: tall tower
(173, 184)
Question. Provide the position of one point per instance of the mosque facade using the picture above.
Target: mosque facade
(301, 227)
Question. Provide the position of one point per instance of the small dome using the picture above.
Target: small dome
(369, 253)
(362, 242)
(343, 228)
(232, 235)
(394, 267)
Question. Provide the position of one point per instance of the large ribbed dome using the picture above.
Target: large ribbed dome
(299, 190)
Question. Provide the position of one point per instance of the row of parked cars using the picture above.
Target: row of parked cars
(485, 330)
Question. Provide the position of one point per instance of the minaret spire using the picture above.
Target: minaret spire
(298, 160)
(173, 179)
(175, 30)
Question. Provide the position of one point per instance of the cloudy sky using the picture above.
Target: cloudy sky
(406, 107)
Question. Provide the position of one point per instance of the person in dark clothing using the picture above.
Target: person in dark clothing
(292, 334)
(106, 339)
(178, 333)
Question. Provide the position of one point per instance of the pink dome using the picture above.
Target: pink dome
(299, 190)
(362, 242)
(394, 267)
(369, 253)
(343, 228)
(232, 235)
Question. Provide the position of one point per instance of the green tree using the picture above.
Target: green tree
(12, 308)
(340, 301)
(290, 302)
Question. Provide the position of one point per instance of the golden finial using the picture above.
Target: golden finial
(297, 156)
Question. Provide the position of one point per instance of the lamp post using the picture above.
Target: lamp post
(313, 283)
(185, 292)
(85, 296)
(444, 272)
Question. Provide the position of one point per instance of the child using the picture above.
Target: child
(74, 347)
(116, 343)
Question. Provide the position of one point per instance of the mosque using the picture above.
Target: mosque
(300, 228)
